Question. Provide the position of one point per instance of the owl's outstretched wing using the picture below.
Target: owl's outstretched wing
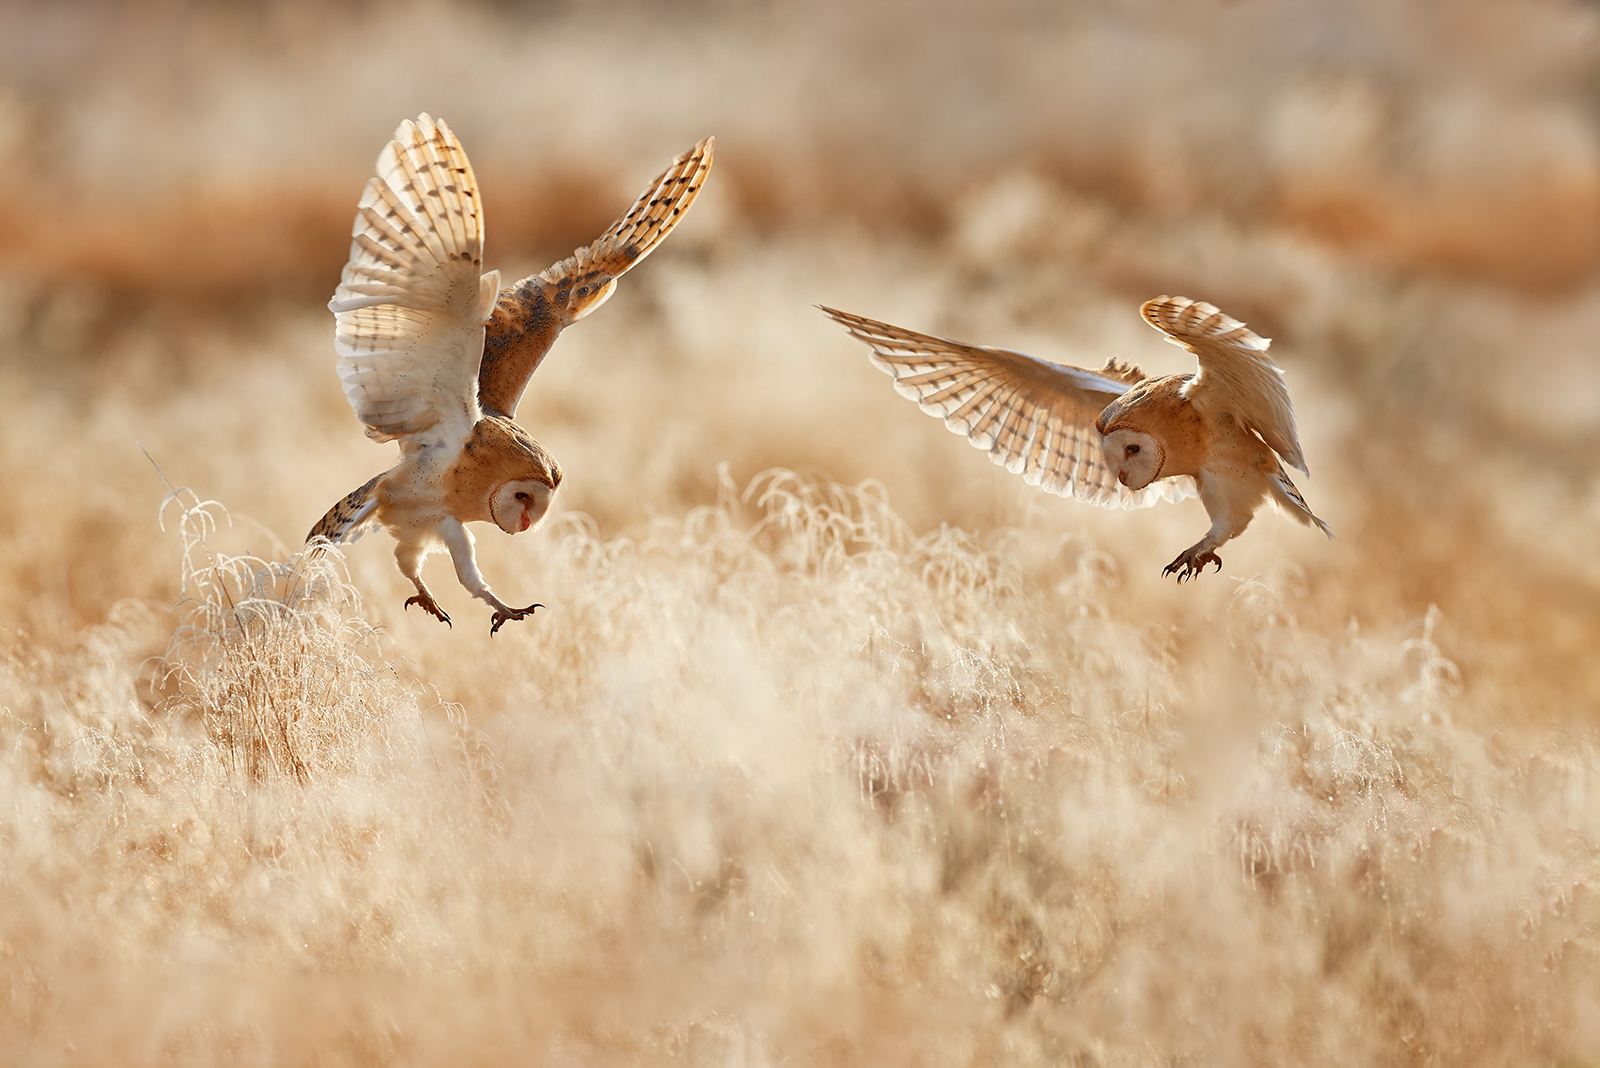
(1236, 374)
(528, 315)
(1034, 417)
(411, 302)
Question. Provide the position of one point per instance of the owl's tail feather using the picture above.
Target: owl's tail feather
(1284, 492)
(351, 517)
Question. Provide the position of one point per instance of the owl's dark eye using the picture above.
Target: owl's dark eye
(1132, 449)
(522, 496)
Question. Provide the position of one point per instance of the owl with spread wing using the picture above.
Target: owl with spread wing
(435, 355)
(1114, 436)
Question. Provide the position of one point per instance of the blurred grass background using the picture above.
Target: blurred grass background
(1405, 196)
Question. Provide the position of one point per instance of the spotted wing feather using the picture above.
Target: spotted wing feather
(1289, 499)
(412, 300)
(352, 517)
(528, 315)
(1236, 374)
(1034, 417)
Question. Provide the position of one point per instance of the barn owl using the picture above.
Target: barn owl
(434, 355)
(1114, 436)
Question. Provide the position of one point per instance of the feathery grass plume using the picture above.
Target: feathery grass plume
(269, 656)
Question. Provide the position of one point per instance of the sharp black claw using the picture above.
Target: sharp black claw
(430, 607)
(507, 617)
(1191, 566)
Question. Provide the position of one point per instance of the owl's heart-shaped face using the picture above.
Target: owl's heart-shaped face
(1135, 456)
(518, 506)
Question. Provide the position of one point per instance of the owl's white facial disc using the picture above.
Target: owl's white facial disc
(518, 506)
(1134, 455)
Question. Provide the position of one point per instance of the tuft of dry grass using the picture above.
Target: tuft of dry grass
(266, 658)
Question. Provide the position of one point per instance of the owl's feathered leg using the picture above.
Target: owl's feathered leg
(1231, 502)
(409, 555)
(458, 539)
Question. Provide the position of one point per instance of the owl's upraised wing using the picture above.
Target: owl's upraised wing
(1236, 374)
(411, 302)
(528, 315)
(1034, 417)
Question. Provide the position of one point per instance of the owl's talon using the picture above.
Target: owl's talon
(430, 606)
(1191, 564)
(510, 615)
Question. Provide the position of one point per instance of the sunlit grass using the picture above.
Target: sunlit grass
(769, 765)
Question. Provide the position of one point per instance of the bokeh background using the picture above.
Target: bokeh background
(1334, 805)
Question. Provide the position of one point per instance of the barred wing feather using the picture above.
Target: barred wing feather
(1034, 417)
(528, 316)
(412, 301)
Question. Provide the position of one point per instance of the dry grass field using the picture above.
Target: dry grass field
(836, 744)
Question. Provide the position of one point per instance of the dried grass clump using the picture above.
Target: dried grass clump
(269, 658)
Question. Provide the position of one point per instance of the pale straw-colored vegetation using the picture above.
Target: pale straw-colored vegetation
(834, 743)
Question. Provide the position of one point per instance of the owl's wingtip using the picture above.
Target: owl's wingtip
(704, 150)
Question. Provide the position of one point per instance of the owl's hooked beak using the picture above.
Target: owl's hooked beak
(1122, 477)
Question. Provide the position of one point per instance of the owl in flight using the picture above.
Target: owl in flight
(1116, 437)
(434, 355)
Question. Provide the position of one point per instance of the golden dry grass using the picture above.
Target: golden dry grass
(835, 744)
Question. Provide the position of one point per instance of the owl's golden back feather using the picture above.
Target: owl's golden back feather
(1033, 417)
(1235, 375)
(411, 301)
(528, 315)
